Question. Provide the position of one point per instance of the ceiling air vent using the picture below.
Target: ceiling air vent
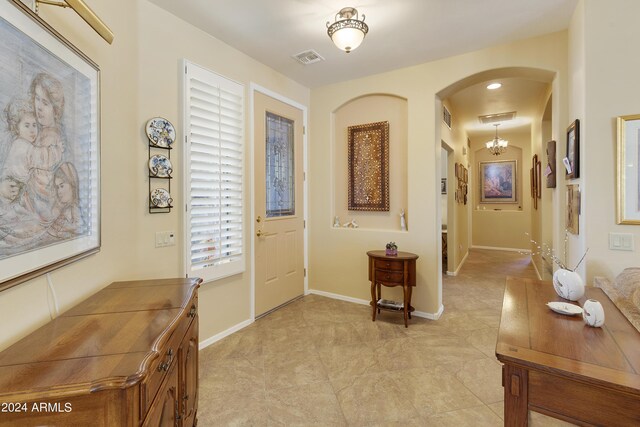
(446, 116)
(495, 118)
(308, 57)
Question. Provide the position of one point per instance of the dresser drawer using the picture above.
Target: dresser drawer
(389, 264)
(389, 276)
(159, 367)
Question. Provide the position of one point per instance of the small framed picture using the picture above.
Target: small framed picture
(532, 180)
(628, 173)
(573, 209)
(550, 171)
(539, 179)
(573, 149)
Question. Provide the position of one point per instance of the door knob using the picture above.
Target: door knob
(261, 233)
(259, 219)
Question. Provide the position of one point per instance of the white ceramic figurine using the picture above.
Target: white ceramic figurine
(403, 221)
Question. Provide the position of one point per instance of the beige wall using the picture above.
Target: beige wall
(458, 231)
(542, 218)
(370, 109)
(338, 261)
(575, 244)
(610, 68)
(141, 78)
(503, 225)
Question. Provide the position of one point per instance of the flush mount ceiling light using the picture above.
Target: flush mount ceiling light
(497, 146)
(347, 32)
(494, 86)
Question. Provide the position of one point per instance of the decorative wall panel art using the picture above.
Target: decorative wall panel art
(368, 167)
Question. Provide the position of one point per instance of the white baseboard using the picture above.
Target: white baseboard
(217, 337)
(430, 316)
(338, 296)
(493, 248)
(423, 314)
(535, 267)
(455, 273)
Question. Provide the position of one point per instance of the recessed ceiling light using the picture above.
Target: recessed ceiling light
(493, 86)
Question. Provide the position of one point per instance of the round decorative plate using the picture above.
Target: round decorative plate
(565, 308)
(161, 132)
(160, 166)
(161, 198)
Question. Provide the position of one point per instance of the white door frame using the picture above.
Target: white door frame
(253, 87)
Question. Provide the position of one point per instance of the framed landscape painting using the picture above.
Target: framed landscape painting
(628, 174)
(498, 181)
(49, 149)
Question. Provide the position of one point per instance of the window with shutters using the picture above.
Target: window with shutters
(214, 130)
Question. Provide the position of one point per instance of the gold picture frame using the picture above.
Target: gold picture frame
(43, 226)
(573, 209)
(498, 181)
(550, 171)
(628, 173)
(573, 149)
(368, 151)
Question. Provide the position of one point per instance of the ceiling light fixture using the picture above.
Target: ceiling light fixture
(494, 86)
(347, 32)
(497, 146)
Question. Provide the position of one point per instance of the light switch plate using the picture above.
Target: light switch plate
(621, 242)
(165, 238)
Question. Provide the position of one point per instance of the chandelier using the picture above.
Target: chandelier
(497, 145)
(347, 32)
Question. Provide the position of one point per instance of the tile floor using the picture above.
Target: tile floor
(323, 362)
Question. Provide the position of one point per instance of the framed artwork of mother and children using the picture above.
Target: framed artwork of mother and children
(49, 149)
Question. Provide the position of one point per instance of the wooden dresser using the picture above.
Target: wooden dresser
(126, 356)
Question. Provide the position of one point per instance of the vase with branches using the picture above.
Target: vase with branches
(567, 283)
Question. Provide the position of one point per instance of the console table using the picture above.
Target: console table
(397, 270)
(126, 356)
(557, 365)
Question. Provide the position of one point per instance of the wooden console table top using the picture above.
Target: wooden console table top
(109, 341)
(557, 365)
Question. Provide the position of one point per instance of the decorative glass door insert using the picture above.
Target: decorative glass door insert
(280, 166)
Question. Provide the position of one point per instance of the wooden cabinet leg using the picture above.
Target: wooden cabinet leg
(516, 396)
(405, 295)
(374, 300)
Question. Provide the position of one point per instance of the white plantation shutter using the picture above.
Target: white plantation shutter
(214, 128)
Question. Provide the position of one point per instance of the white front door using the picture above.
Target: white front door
(279, 216)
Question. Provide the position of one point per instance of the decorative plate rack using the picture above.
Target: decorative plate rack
(162, 135)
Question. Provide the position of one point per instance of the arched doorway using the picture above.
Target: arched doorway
(474, 221)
